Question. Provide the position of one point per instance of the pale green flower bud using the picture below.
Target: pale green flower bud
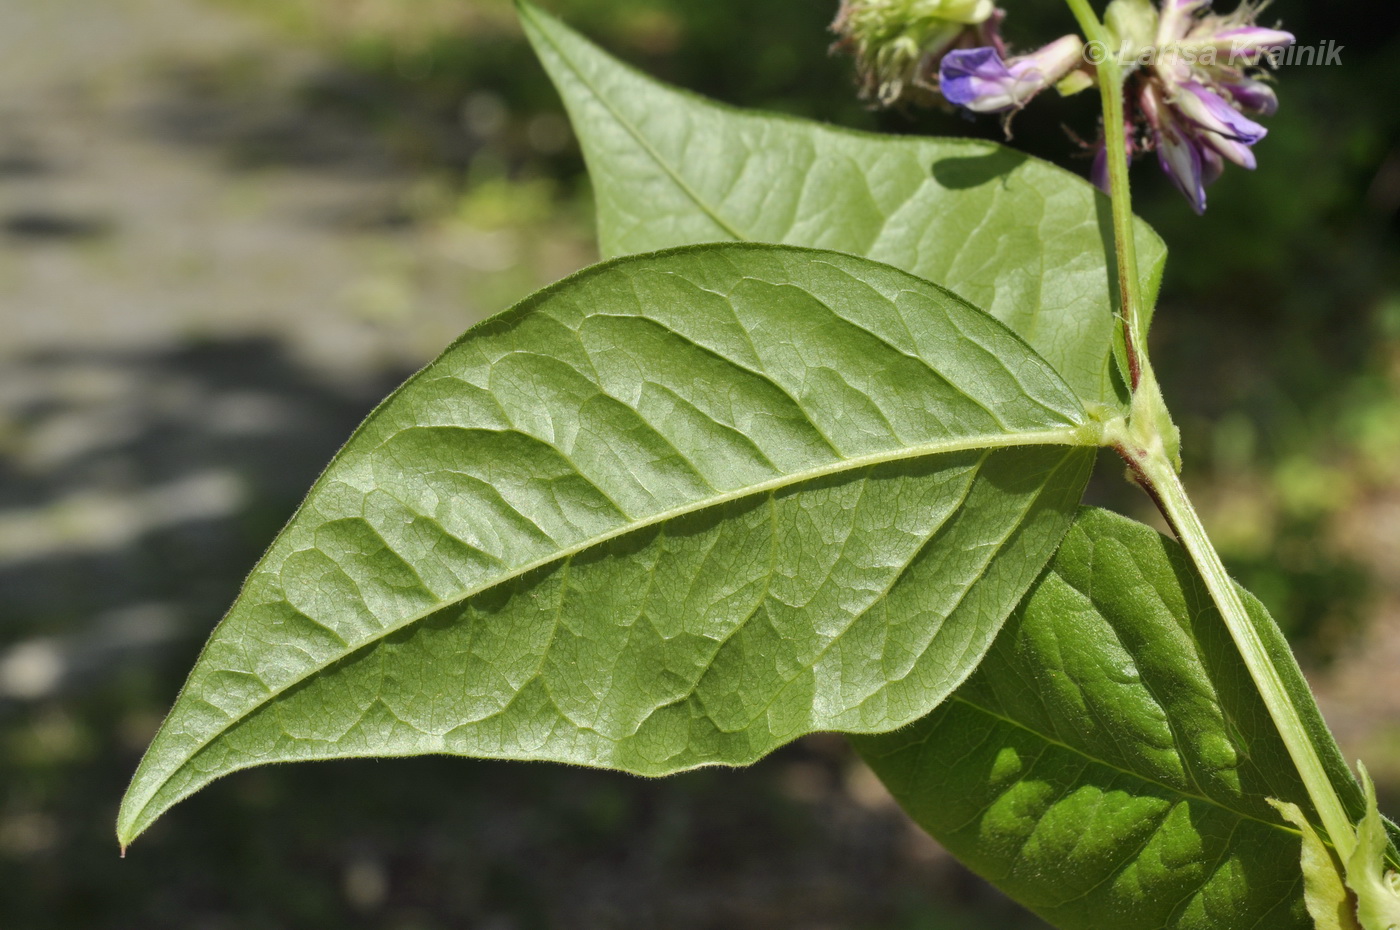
(1132, 27)
(898, 44)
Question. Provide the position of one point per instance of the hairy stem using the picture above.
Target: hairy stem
(1161, 481)
(1116, 143)
(1148, 444)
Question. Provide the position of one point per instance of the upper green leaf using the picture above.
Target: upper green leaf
(1022, 239)
(675, 510)
(1110, 763)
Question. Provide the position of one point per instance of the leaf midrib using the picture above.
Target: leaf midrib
(1070, 436)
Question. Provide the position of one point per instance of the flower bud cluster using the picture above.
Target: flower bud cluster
(1195, 78)
(899, 45)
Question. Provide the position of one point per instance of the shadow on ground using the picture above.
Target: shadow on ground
(137, 487)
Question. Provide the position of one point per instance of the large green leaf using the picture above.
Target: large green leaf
(1109, 763)
(1025, 240)
(675, 510)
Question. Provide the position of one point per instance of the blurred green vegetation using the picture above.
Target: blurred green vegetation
(1278, 342)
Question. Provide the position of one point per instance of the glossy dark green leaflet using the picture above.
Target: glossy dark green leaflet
(1109, 763)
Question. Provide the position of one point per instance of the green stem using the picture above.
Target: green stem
(1161, 480)
(1124, 244)
(1148, 444)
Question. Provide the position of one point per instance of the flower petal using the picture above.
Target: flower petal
(1239, 153)
(1251, 41)
(1211, 112)
(1180, 158)
(1254, 95)
(1053, 61)
(978, 78)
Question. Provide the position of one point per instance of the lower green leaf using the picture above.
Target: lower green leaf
(1110, 764)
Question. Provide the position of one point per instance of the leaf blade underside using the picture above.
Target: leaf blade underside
(676, 510)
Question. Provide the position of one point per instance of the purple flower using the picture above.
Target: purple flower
(1182, 160)
(1186, 160)
(1195, 77)
(982, 81)
(1193, 104)
(1253, 96)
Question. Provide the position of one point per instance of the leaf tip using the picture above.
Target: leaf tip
(531, 16)
(126, 831)
(132, 819)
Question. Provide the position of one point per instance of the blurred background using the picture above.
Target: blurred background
(228, 227)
